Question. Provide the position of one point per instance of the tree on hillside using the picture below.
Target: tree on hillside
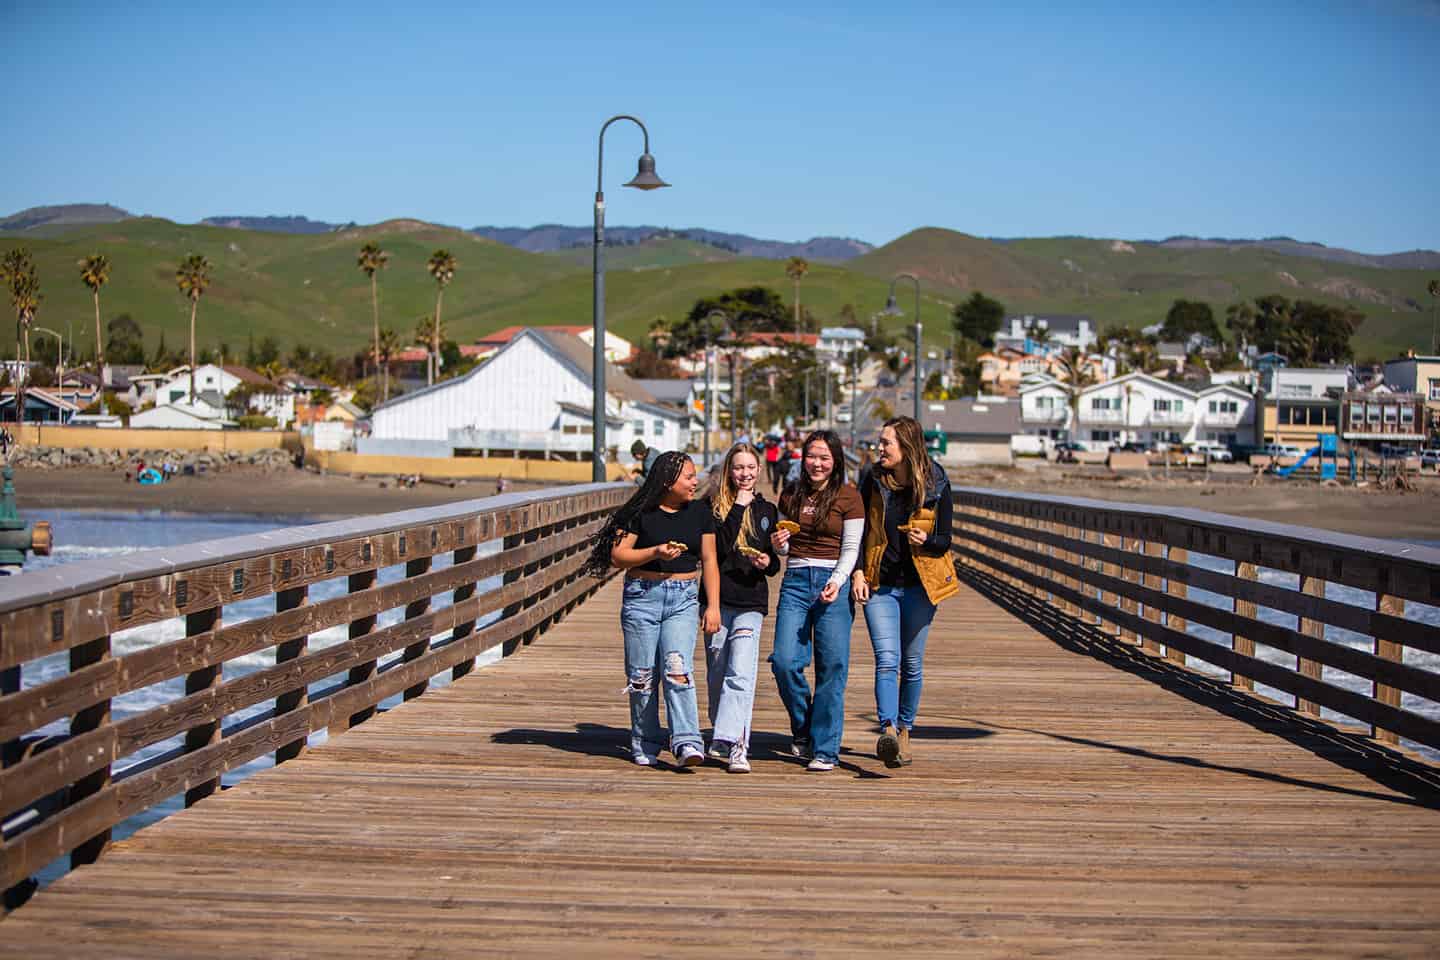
(95, 273)
(192, 278)
(124, 340)
(978, 319)
(442, 267)
(1433, 288)
(1189, 317)
(371, 261)
(795, 269)
(389, 345)
(1304, 331)
(17, 270)
(266, 353)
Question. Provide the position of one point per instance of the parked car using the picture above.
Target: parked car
(1215, 452)
(1129, 446)
(1430, 458)
(1274, 450)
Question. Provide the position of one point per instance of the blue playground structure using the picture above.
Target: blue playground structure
(1329, 453)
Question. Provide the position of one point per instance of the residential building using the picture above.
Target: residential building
(531, 399)
(1418, 374)
(1137, 408)
(617, 348)
(182, 416)
(1225, 415)
(213, 384)
(42, 405)
(977, 431)
(1301, 403)
(1382, 416)
(837, 342)
(1046, 333)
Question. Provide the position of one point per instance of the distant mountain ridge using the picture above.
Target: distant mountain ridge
(550, 237)
(62, 215)
(291, 224)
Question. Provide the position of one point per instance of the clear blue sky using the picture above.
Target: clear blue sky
(1319, 120)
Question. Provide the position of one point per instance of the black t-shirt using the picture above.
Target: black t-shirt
(686, 525)
(742, 586)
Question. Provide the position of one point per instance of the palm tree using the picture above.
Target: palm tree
(95, 273)
(427, 333)
(192, 278)
(1077, 373)
(18, 272)
(442, 267)
(372, 261)
(795, 269)
(387, 345)
(1433, 288)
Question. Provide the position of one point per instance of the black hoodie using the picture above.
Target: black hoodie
(742, 587)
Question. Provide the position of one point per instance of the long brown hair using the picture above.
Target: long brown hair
(795, 495)
(915, 472)
(723, 491)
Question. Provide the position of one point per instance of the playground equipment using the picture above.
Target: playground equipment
(1328, 451)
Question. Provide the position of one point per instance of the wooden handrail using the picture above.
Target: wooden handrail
(1129, 567)
(63, 793)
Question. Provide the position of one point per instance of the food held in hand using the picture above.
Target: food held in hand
(789, 526)
(677, 545)
(750, 553)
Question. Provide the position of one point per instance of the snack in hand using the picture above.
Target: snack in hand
(789, 526)
(751, 553)
(903, 527)
(677, 545)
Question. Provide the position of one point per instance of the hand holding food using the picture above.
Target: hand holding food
(789, 526)
(670, 551)
(759, 558)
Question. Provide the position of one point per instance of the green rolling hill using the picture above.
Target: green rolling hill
(306, 288)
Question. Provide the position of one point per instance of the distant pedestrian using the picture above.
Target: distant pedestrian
(645, 457)
(773, 452)
(665, 541)
(905, 574)
(500, 484)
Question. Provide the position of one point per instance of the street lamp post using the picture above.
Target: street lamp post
(710, 377)
(891, 310)
(59, 354)
(645, 179)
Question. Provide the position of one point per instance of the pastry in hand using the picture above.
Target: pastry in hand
(789, 526)
(750, 553)
(677, 545)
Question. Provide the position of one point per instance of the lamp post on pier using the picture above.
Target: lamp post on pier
(892, 310)
(710, 376)
(645, 179)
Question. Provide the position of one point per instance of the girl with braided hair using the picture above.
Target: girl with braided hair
(664, 540)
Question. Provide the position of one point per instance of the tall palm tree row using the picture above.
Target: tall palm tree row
(95, 273)
(1077, 374)
(1433, 288)
(17, 270)
(191, 279)
(387, 345)
(442, 267)
(371, 261)
(795, 269)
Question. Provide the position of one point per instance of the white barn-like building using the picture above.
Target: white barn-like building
(532, 398)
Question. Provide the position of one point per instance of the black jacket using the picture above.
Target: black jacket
(742, 586)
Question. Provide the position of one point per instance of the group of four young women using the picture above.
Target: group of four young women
(705, 562)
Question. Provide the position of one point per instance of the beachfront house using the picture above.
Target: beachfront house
(1301, 403)
(1046, 333)
(978, 430)
(42, 405)
(1413, 373)
(214, 383)
(531, 399)
(1045, 408)
(1225, 414)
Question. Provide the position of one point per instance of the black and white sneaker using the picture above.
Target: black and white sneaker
(800, 748)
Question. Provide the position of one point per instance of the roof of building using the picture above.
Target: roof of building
(569, 350)
(842, 333)
(41, 394)
(667, 391)
(506, 334)
(246, 375)
(1054, 322)
(972, 417)
(766, 338)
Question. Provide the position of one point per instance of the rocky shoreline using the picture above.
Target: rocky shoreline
(185, 461)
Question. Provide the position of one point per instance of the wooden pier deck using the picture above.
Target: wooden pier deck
(1072, 796)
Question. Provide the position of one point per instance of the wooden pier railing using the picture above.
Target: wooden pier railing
(1131, 567)
(61, 793)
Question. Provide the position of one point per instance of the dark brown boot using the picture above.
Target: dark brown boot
(904, 757)
(887, 748)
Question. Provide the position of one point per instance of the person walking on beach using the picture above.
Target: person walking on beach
(906, 573)
(826, 520)
(664, 540)
(744, 521)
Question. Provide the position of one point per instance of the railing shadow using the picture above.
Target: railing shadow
(1417, 781)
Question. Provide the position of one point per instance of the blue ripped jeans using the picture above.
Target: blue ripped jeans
(660, 619)
(731, 656)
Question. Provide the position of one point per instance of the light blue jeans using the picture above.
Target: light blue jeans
(660, 619)
(806, 629)
(899, 621)
(731, 656)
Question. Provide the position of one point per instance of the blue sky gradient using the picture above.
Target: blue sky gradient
(1313, 120)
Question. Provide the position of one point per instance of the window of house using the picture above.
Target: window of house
(1162, 406)
(1392, 414)
(1104, 403)
(1435, 388)
(1407, 416)
(638, 427)
(1372, 412)
(1357, 414)
(1103, 436)
(658, 428)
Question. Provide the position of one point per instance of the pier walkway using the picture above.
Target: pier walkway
(1073, 794)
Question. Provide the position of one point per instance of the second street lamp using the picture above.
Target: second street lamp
(891, 310)
(645, 179)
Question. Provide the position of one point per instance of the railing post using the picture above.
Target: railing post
(1177, 589)
(1069, 533)
(285, 651)
(10, 753)
(1311, 587)
(90, 718)
(511, 575)
(1244, 608)
(202, 621)
(462, 630)
(1110, 569)
(357, 583)
(1393, 606)
(417, 608)
(1155, 549)
(1129, 575)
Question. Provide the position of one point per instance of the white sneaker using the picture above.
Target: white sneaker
(739, 762)
(690, 756)
(820, 766)
(645, 759)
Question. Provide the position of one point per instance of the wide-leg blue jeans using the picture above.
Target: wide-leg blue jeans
(807, 629)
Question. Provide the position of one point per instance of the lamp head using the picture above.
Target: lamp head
(645, 178)
(892, 309)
